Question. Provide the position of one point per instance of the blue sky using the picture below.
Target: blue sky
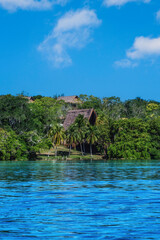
(104, 48)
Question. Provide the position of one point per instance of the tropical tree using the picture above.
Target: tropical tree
(72, 137)
(130, 140)
(91, 137)
(135, 108)
(80, 127)
(154, 132)
(113, 108)
(153, 110)
(57, 135)
(47, 112)
(32, 143)
(15, 113)
(10, 146)
(103, 133)
(90, 102)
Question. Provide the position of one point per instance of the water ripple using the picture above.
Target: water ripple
(116, 200)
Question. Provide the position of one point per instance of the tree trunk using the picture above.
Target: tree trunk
(70, 149)
(81, 149)
(91, 149)
(84, 150)
(56, 152)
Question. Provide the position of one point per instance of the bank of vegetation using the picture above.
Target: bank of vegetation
(123, 130)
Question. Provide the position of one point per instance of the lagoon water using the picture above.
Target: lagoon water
(80, 200)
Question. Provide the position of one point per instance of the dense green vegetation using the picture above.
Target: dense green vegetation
(123, 130)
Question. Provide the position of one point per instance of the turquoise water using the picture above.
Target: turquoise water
(80, 200)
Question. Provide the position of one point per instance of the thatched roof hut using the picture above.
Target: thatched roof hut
(90, 114)
(30, 100)
(70, 99)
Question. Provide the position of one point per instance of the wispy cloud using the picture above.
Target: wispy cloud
(119, 3)
(143, 48)
(73, 30)
(13, 5)
(158, 16)
(125, 63)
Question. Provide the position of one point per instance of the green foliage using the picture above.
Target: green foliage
(90, 102)
(77, 131)
(154, 131)
(72, 135)
(103, 133)
(27, 124)
(123, 130)
(46, 113)
(10, 146)
(57, 135)
(130, 140)
(152, 110)
(91, 136)
(15, 113)
(113, 108)
(32, 143)
(135, 108)
(37, 97)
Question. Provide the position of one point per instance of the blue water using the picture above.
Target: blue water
(80, 200)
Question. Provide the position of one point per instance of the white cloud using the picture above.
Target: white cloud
(13, 5)
(119, 3)
(125, 63)
(143, 48)
(73, 30)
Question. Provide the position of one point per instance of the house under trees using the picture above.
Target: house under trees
(73, 100)
(89, 114)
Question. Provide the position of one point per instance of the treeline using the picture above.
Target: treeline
(123, 130)
(24, 126)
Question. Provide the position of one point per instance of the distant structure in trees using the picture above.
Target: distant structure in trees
(70, 99)
(90, 114)
(30, 99)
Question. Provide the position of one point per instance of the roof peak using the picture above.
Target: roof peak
(70, 99)
(81, 110)
(73, 114)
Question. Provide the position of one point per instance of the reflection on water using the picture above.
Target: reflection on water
(80, 200)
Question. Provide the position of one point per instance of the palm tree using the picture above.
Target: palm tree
(72, 136)
(57, 134)
(103, 133)
(80, 126)
(69, 138)
(91, 136)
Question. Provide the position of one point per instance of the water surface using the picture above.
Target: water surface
(80, 200)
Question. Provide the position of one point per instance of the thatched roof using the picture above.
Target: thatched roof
(70, 99)
(30, 100)
(73, 114)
